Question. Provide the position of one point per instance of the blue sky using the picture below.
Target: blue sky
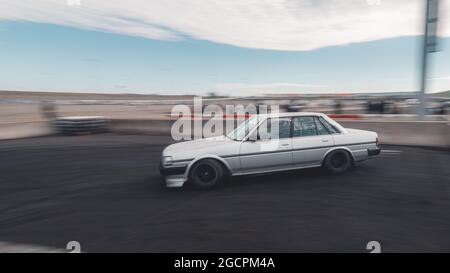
(61, 57)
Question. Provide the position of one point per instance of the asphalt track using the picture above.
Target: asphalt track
(105, 192)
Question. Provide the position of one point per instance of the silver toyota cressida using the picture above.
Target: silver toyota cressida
(268, 143)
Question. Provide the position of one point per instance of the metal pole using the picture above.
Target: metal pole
(423, 78)
(429, 45)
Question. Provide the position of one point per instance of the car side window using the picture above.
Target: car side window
(304, 126)
(321, 129)
(267, 129)
(329, 127)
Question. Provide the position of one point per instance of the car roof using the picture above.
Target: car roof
(292, 114)
(299, 114)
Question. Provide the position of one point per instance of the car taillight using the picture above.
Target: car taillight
(376, 141)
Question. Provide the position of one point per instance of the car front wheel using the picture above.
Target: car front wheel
(338, 162)
(206, 174)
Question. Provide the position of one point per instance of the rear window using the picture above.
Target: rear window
(331, 129)
(321, 129)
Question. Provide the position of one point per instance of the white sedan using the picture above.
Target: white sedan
(268, 143)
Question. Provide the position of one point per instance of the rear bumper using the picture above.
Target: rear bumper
(372, 152)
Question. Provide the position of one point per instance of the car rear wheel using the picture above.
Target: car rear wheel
(338, 162)
(206, 174)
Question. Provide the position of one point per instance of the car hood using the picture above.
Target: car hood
(220, 146)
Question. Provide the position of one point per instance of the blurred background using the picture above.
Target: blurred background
(28, 114)
(359, 60)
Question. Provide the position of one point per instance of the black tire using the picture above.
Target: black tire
(206, 174)
(338, 162)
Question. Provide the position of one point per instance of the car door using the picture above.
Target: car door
(310, 141)
(272, 148)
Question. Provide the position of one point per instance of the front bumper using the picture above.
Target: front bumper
(372, 152)
(175, 176)
(176, 170)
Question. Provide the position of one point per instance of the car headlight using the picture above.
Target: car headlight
(167, 160)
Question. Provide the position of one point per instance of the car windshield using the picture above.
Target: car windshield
(243, 129)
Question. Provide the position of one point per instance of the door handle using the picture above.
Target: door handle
(325, 140)
(284, 145)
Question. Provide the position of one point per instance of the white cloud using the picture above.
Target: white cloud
(270, 87)
(444, 78)
(266, 24)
